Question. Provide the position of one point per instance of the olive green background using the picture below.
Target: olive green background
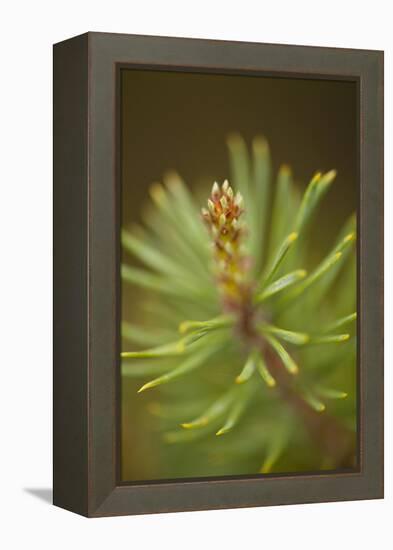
(179, 120)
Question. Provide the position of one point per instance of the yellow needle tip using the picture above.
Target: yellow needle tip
(147, 386)
(294, 369)
(292, 237)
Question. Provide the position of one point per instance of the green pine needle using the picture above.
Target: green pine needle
(192, 362)
(279, 257)
(297, 338)
(342, 322)
(314, 193)
(216, 410)
(281, 284)
(235, 413)
(265, 374)
(286, 359)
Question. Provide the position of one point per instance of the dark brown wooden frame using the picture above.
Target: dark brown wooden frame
(86, 278)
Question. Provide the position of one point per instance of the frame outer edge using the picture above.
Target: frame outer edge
(371, 274)
(70, 261)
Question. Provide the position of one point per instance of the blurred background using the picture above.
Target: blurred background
(180, 121)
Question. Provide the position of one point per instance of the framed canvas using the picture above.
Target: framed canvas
(218, 274)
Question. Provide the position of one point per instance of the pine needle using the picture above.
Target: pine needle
(286, 359)
(279, 257)
(343, 321)
(173, 348)
(297, 338)
(281, 284)
(217, 409)
(264, 372)
(327, 263)
(192, 362)
(275, 447)
(314, 402)
(236, 412)
(312, 196)
(248, 369)
(222, 321)
(329, 339)
(331, 393)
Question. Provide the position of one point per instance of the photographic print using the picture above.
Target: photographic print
(238, 293)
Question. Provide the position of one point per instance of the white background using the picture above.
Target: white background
(28, 30)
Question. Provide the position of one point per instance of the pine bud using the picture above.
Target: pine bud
(215, 191)
(211, 206)
(231, 262)
(224, 202)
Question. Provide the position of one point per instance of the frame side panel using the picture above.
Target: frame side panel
(70, 298)
(371, 270)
